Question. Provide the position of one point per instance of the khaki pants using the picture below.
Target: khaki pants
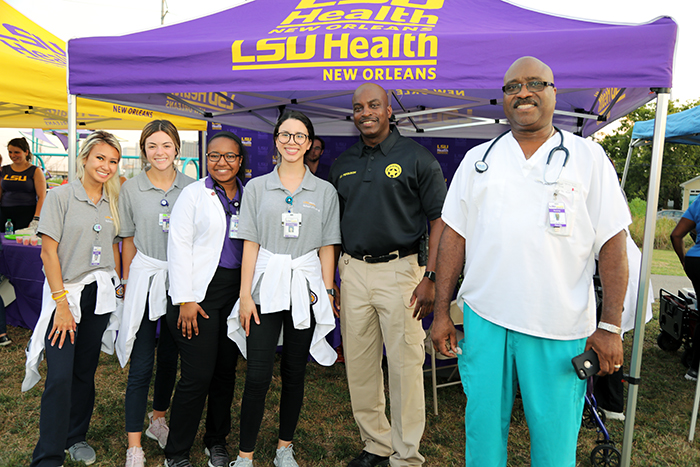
(375, 310)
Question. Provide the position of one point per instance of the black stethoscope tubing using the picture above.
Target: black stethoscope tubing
(481, 166)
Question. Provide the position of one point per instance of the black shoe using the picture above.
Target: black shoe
(5, 340)
(366, 459)
(181, 463)
(691, 375)
(218, 456)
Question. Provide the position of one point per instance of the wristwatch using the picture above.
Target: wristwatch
(331, 292)
(430, 275)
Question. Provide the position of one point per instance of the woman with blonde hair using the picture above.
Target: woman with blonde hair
(79, 304)
(145, 204)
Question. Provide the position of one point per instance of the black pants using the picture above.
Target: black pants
(207, 367)
(141, 371)
(69, 392)
(21, 216)
(262, 344)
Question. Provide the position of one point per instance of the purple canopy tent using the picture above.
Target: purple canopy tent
(442, 62)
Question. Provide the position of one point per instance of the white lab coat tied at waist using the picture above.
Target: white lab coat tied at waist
(107, 302)
(143, 269)
(285, 282)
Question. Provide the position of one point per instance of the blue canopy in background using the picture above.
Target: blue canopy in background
(682, 128)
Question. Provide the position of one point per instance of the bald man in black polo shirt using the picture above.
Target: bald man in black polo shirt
(388, 187)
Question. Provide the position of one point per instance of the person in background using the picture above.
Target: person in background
(4, 338)
(290, 225)
(389, 188)
(204, 264)
(79, 245)
(690, 260)
(313, 156)
(528, 299)
(145, 204)
(23, 188)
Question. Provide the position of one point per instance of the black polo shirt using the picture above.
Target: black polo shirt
(386, 193)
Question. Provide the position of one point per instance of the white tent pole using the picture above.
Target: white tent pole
(657, 154)
(627, 165)
(72, 136)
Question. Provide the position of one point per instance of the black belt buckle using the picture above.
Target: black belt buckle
(379, 259)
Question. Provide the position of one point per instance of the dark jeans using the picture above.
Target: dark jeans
(69, 392)
(262, 344)
(207, 366)
(141, 370)
(3, 318)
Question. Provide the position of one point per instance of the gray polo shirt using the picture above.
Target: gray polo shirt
(141, 204)
(69, 217)
(264, 203)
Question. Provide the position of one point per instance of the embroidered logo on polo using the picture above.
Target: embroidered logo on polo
(393, 170)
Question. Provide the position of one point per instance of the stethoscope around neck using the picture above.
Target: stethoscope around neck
(481, 166)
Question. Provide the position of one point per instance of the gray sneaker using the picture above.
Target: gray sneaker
(285, 457)
(218, 456)
(241, 462)
(82, 452)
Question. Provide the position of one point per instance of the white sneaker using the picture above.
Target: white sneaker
(135, 457)
(285, 457)
(158, 430)
(613, 415)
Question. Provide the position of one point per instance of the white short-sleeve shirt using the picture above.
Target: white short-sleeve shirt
(520, 272)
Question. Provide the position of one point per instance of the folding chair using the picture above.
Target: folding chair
(458, 318)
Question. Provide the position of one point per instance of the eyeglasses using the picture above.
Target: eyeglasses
(299, 138)
(532, 86)
(229, 156)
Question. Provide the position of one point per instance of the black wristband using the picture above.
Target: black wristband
(430, 275)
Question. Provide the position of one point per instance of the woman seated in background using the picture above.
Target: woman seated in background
(204, 261)
(79, 234)
(23, 188)
(145, 204)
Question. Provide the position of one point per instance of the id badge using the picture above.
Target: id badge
(164, 222)
(233, 226)
(291, 223)
(557, 215)
(96, 255)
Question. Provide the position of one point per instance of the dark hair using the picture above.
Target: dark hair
(23, 145)
(243, 151)
(323, 143)
(296, 115)
(167, 127)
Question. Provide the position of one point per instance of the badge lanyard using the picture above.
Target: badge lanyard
(233, 223)
(291, 221)
(96, 247)
(164, 217)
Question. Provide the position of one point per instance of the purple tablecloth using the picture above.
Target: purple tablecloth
(22, 265)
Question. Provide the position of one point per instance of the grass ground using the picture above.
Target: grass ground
(666, 262)
(327, 435)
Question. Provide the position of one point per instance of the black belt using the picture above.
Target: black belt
(400, 253)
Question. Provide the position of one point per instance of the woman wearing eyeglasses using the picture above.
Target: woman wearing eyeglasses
(290, 223)
(204, 260)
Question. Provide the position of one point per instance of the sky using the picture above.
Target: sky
(84, 18)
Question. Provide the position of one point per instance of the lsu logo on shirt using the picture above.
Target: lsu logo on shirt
(15, 178)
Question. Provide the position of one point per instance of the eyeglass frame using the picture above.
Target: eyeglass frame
(292, 136)
(225, 156)
(527, 85)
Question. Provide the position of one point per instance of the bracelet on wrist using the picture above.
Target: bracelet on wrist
(65, 292)
(430, 275)
(610, 328)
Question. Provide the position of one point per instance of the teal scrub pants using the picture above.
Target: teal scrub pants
(494, 362)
